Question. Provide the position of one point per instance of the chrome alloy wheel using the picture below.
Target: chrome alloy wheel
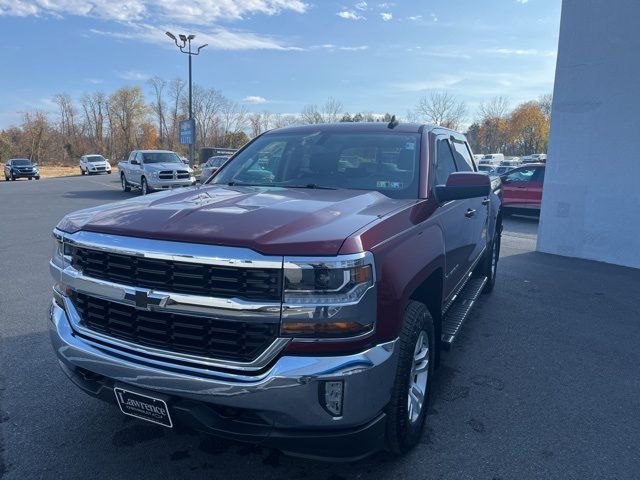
(494, 256)
(419, 378)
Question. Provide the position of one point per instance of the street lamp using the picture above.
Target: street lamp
(185, 47)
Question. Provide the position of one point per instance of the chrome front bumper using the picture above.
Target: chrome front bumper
(158, 184)
(286, 395)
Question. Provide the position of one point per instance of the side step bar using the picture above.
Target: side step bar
(458, 312)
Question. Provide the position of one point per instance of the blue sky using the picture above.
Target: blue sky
(280, 55)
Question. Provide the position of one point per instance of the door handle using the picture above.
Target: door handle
(470, 213)
(486, 201)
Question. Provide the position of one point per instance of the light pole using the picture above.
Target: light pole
(185, 41)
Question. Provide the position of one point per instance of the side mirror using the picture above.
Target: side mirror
(134, 162)
(461, 185)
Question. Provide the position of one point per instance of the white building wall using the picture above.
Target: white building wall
(591, 199)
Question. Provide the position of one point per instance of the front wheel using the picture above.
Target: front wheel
(410, 397)
(13, 178)
(38, 177)
(144, 187)
(124, 183)
(488, 266)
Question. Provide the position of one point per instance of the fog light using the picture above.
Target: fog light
(331, 395)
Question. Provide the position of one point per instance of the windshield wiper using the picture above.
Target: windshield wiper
(241, 184)
(280, 185)
(311, 186)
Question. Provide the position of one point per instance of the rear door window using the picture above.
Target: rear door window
(463, 157)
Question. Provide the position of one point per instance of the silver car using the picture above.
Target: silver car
(212, 166)
(151, 170)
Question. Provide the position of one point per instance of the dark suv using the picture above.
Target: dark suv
(20, 168)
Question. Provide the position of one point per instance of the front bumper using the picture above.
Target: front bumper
(280, 407)
(158, 184)
(35, 173)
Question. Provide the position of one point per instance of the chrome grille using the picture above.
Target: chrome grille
(254, 284)
(201, 336)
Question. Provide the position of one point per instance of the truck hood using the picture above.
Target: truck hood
(272, 221)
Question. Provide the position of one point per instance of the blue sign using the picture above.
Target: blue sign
(187, 132)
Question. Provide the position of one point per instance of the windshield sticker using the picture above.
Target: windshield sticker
(410, 146)
(390, 185)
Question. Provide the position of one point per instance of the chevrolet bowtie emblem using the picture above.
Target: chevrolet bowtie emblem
(144, 299)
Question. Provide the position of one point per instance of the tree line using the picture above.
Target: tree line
(127, 119)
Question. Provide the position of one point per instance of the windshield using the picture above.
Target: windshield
(95, 158)
(386, 162)
(160, 157)
(216, 161)
(23, 162)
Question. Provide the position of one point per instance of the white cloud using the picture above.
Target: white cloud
(349, 15)
(134, 76)
(440, 83)
(415, 17)
(95, 81)
(361, 6)
(254, 100)
(217, 38)
(199, 12)
(531, 52)
(522, 2)
(386, 16)
(331, 47)
(386, 5)
(434, 17)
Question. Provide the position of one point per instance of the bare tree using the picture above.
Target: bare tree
(280, 120)
(159, 107)
(36, 128)
(546, 101)
(176, 92)
(94, 108)
(496, 107)
(331, 110)
(311, 115)
(443, 109)
(68, 124)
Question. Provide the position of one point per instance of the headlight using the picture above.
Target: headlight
(61, 253)
(322, 297)
(154, 174)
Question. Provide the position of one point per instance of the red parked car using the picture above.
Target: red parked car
(523, 189)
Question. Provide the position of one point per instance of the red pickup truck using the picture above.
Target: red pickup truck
(299, 299)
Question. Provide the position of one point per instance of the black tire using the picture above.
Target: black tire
(488, 266)
(402, 432)
(124, 183)
(13, 178)
(37, 178)
(30, 178)
(109, 172)
(144, 187)
(81, 171)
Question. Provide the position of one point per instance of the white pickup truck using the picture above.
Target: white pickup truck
(151, 170)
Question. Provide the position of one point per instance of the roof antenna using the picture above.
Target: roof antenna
(393, 123)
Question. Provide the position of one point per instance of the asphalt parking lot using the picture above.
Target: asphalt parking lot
(544, 383)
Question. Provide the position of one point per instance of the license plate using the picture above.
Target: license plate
(144, 407)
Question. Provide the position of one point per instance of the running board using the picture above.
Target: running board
(460, 309)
